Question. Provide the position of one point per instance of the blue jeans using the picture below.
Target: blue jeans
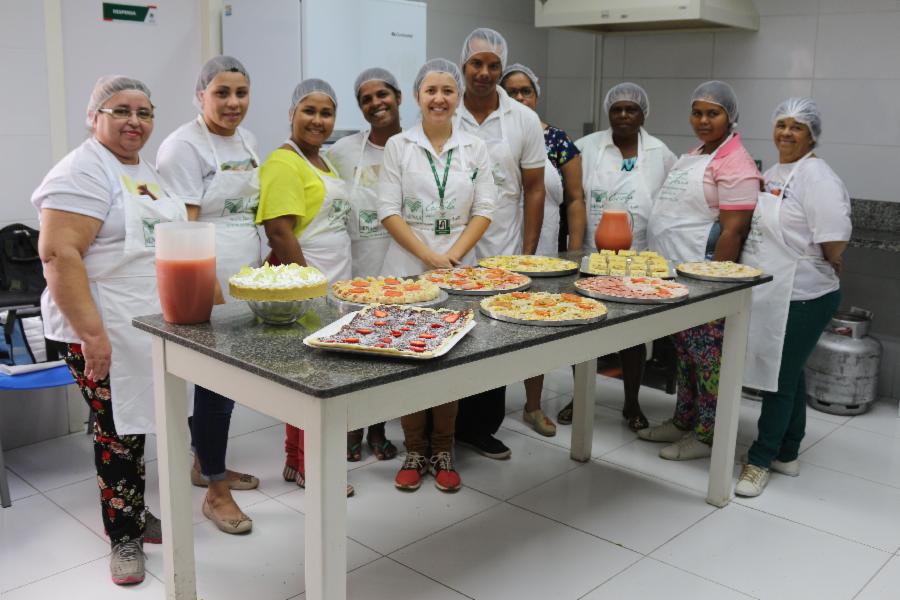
(209, 431)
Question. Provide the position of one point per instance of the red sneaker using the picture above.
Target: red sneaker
(446, 478)
(410, 475)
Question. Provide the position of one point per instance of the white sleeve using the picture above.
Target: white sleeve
(485, 189)
(534, 151)
(827, 206)
(180, 170)
(390, 189)
(82, 189)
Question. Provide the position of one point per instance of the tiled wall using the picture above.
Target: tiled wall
(845, 54)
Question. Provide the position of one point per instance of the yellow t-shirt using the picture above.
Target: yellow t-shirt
(290, 186)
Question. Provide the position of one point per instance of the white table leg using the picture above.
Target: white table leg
(583, 410)
(5, 500)
(326, 500)
(728, 409)
(174, 483)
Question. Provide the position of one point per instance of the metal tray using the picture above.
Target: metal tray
(719, 279)
(455, 292)
(599, 296)
(343, 305)
(586, 261)
(335, 326)
(539, 273)
(506, 319)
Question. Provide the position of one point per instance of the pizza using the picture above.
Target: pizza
(627, 262)
(476, 279)
(394, 330)
(523, 263)
(384, 290)
(718, 269)
(542, 306)
(632, 288)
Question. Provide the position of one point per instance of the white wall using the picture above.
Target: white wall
(24, 108)
(844, 54)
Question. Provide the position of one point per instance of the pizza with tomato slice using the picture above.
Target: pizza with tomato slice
(543, 306)
(530, 265)
(476, 280)
(384, 290)
(717, 270)
(394, 330)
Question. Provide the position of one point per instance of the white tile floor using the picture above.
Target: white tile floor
(624, 525)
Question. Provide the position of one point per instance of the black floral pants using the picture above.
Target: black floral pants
(119, 459)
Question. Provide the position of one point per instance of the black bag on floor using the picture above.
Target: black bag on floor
(21, 272)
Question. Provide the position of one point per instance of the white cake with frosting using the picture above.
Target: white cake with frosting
(282, 283)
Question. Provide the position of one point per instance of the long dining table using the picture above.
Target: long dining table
(268, 369)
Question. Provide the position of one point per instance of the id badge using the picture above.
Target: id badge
(442, 227)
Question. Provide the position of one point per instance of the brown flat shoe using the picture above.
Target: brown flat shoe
(232, 526)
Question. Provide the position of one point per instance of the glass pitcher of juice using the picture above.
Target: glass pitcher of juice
(186, 270)
(615, 227)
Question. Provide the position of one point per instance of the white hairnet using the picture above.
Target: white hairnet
(520, 68)
(802, 110)
(484, 40)
(718, 92)
(375, 74)
(107, 87)
(438, 65)
(627, 92)
(214, 66)
(311, 86)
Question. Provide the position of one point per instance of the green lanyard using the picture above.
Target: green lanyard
(441, 185)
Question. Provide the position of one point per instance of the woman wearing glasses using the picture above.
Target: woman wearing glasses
(97, 207)
(212, 165)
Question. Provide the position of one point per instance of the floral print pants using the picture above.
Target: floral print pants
(119, 459)
(699, 354)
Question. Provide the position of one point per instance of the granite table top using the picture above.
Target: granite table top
(235, 336)
(888, 241)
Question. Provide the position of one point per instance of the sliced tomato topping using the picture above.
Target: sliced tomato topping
(392, 293)
(521, 295)
(541, 313)
(359, 291)
(391, 281)
(359, 283)
(412, 287)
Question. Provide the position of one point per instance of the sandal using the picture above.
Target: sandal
(637, 422)
(301, 481)
(564, 417)
(382, 449)
(354, 446)
(290, 473)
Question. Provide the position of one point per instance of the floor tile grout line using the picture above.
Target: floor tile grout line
(814, 528)
(833, 470)
(611, 577)
(437, 531)
(441, 583)
(872, 578)
(54, 574)
(703, 577)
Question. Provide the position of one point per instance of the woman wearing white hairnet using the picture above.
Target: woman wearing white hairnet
(702, 212)
(100, 266)
(303, 206)
(436, 196)
(211, 163)
(562, 192)
(800, 229)
(358, 159)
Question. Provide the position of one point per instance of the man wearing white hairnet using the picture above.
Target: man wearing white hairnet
(515, 141)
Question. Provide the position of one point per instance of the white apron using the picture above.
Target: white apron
(681, 219)
(126, 288)
(606, 185)
(548, 243)
(325, 242)
(765, 248)
(506, 232)
(230, 202)
(458, 198)
(369, 240)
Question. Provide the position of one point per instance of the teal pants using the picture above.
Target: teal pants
(782, 421)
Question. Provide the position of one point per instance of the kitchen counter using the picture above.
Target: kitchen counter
(326, 393)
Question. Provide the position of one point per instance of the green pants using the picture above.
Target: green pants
(782, 421)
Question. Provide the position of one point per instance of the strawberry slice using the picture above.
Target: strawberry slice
(363, 330)
(417, 349)
(410, 322)
(387, 340)
(396, 333)
(380, 313)
(351, 340)
(380, 323)
(437, 326)
(452, 318)
(427, 336)
(417, 343)
(405, 329)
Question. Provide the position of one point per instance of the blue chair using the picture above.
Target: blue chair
(48, 378)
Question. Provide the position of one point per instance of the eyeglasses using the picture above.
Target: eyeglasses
(524, 92)
(121, 113)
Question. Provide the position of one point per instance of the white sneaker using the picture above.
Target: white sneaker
(667, 432)
(687, 448)
(790, 468)
(752, 481)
